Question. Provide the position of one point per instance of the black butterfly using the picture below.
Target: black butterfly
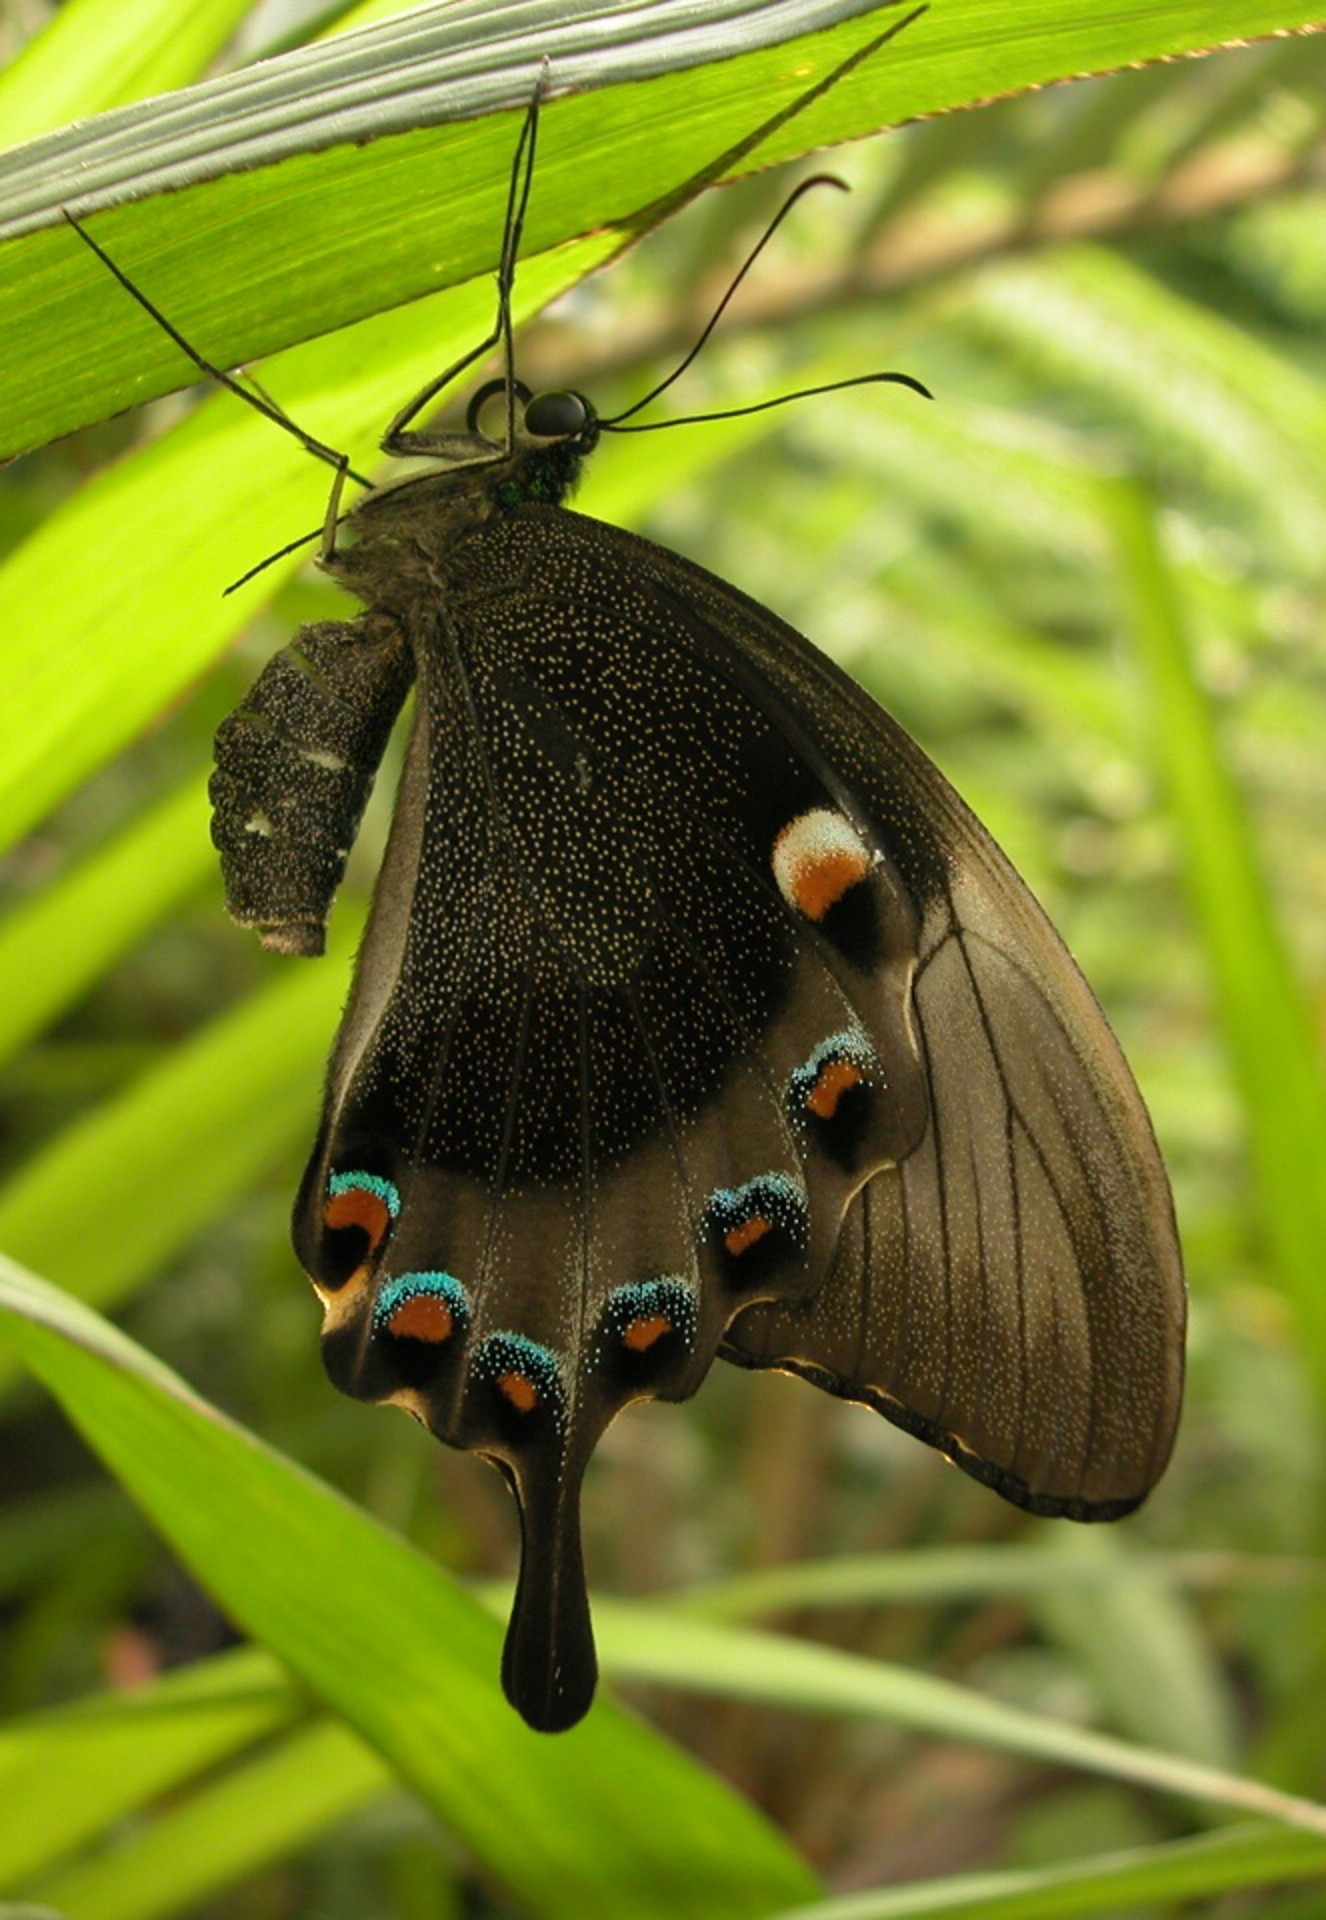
(696, 1015)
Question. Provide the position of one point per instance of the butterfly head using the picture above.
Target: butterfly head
(551, 433)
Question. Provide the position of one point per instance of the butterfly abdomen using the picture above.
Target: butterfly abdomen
(294, 767)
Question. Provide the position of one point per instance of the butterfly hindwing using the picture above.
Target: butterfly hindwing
(597, 1086)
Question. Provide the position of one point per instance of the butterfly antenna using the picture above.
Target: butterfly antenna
(782, 400)
(258, 401)
(724, 163)
(817, 180)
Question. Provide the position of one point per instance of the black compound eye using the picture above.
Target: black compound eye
(556, 416)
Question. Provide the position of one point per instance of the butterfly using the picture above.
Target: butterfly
(696, 1015)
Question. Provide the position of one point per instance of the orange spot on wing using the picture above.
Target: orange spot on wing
(641, 1334)
(357, 1208)
(519, 1390)
(746, 1234)
(422, 1317)
(817, 858)
(833, 1081)
(821, 884)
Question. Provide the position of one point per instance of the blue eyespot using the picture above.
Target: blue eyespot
(382, 1189)
(838, 1065)
(647, 1318)
(422, 1306)
(743, 1218)
(528, 1378)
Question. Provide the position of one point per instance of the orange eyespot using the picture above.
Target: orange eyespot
(519, 1390)
(831, 1083)
(424, 1316)
(747, 1234)
(641, 1334)
(817, 858)
(356, 1207)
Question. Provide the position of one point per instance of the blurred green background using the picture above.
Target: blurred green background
(1089, 579)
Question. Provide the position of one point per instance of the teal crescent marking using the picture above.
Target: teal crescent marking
(409, 1286)
(385, 1190)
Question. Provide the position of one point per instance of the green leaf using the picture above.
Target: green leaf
(95, 54)
(163, 1158)
(609, 1818)
(54, 946)
(1182, 1870)
(258, 1812)
(937, 1574)
(333, 169)
(329, 168)
(669, 1649)
(1139, 1643)
(68, 1774)
(1267, 1027)
(174, 523)
(360, 228)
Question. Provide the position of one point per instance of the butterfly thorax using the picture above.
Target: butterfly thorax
(400, 535)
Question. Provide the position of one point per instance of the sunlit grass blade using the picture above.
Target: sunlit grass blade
(1171, 1874)
(1266, 1025)
(651, 1644)
(68, 1774)
(1014, 1570)
(173, 525)
(155, 1164)
(98, 54)
(259, 1811)
(55, 945)
(1151, 1668)
(286, 171)
(220, 198)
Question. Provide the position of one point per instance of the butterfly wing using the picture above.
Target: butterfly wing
(1011, 1291)
(653, 1008)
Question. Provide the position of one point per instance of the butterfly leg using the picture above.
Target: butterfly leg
(294, 768)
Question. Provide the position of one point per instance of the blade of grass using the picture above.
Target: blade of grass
(658, 1646)
(54, 946)
(172, 525)
(1152, 1671)
(971, 1573)
(154, 1165)
(96, 54)
(300, 143)
(255, 1814)
(71, 1773)
(1268, 1031)
(1179, 1870)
